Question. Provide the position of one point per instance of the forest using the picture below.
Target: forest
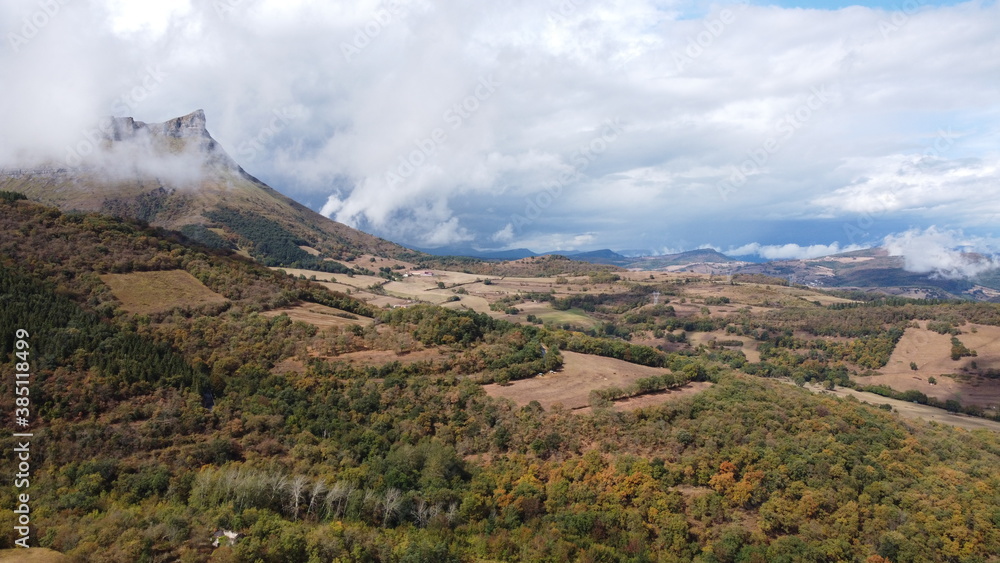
(271, 244)
(155, 431)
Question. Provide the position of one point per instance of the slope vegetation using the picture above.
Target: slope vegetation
(154, 431)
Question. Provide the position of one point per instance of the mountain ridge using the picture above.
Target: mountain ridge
(175, 175)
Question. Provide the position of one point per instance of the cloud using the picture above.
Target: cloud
(504, 235)
(924, 183)
(412, 115)
(790, 251)
(943, 253)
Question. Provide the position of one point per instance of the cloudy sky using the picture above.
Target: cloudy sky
(783, 130)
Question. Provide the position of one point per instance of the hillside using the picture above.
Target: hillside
(604, 256)
(874, 269)
(157, 428)
(175, 175)
(706, 256)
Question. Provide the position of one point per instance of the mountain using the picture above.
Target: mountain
(874, 269)
(698, 256)
(512, 254)
(604, 256)
(175, 175)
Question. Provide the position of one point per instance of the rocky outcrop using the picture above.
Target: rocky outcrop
(187, 126)
(189, 129)
(190, 125)
(174, 174)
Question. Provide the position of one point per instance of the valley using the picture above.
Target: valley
(322, 394)
(530, 301)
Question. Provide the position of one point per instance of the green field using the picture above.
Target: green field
(575, 317)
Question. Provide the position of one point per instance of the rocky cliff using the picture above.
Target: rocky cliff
(176, 175)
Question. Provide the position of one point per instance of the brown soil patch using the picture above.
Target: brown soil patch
(571, 386)
(382, 357)
(319, 316)
(749, 347)
(32, 555)
(153, 292)
(289, 365)
(476, 303)
(356, 282)
(932, 354)
(653, 399)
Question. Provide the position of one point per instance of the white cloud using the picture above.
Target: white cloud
(504, 235)
(923, 183)
(943, 253)
(446, 232)
(508, 94)
(790, 251)
(145, 18)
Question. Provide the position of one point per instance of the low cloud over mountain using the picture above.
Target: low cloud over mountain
(637, 124)
(945, 253)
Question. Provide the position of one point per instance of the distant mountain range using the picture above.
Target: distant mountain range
(604, 256)
(874, 268)
(870, 269)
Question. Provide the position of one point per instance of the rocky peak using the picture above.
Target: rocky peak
(189, 130)
(147, 149)
(190, 125)
(125, 128)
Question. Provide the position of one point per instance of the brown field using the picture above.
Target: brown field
(415, 288)
(758, 296)
(475, 303)
(912, 411)
(571, 386)
(355, 282)
(341, 287)
(932, 354)
(382, 357)
(319, 316)
(653, 399)
(365, 261)
(153, 292)
(32, 555)
(383, 300)
(749, 347)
